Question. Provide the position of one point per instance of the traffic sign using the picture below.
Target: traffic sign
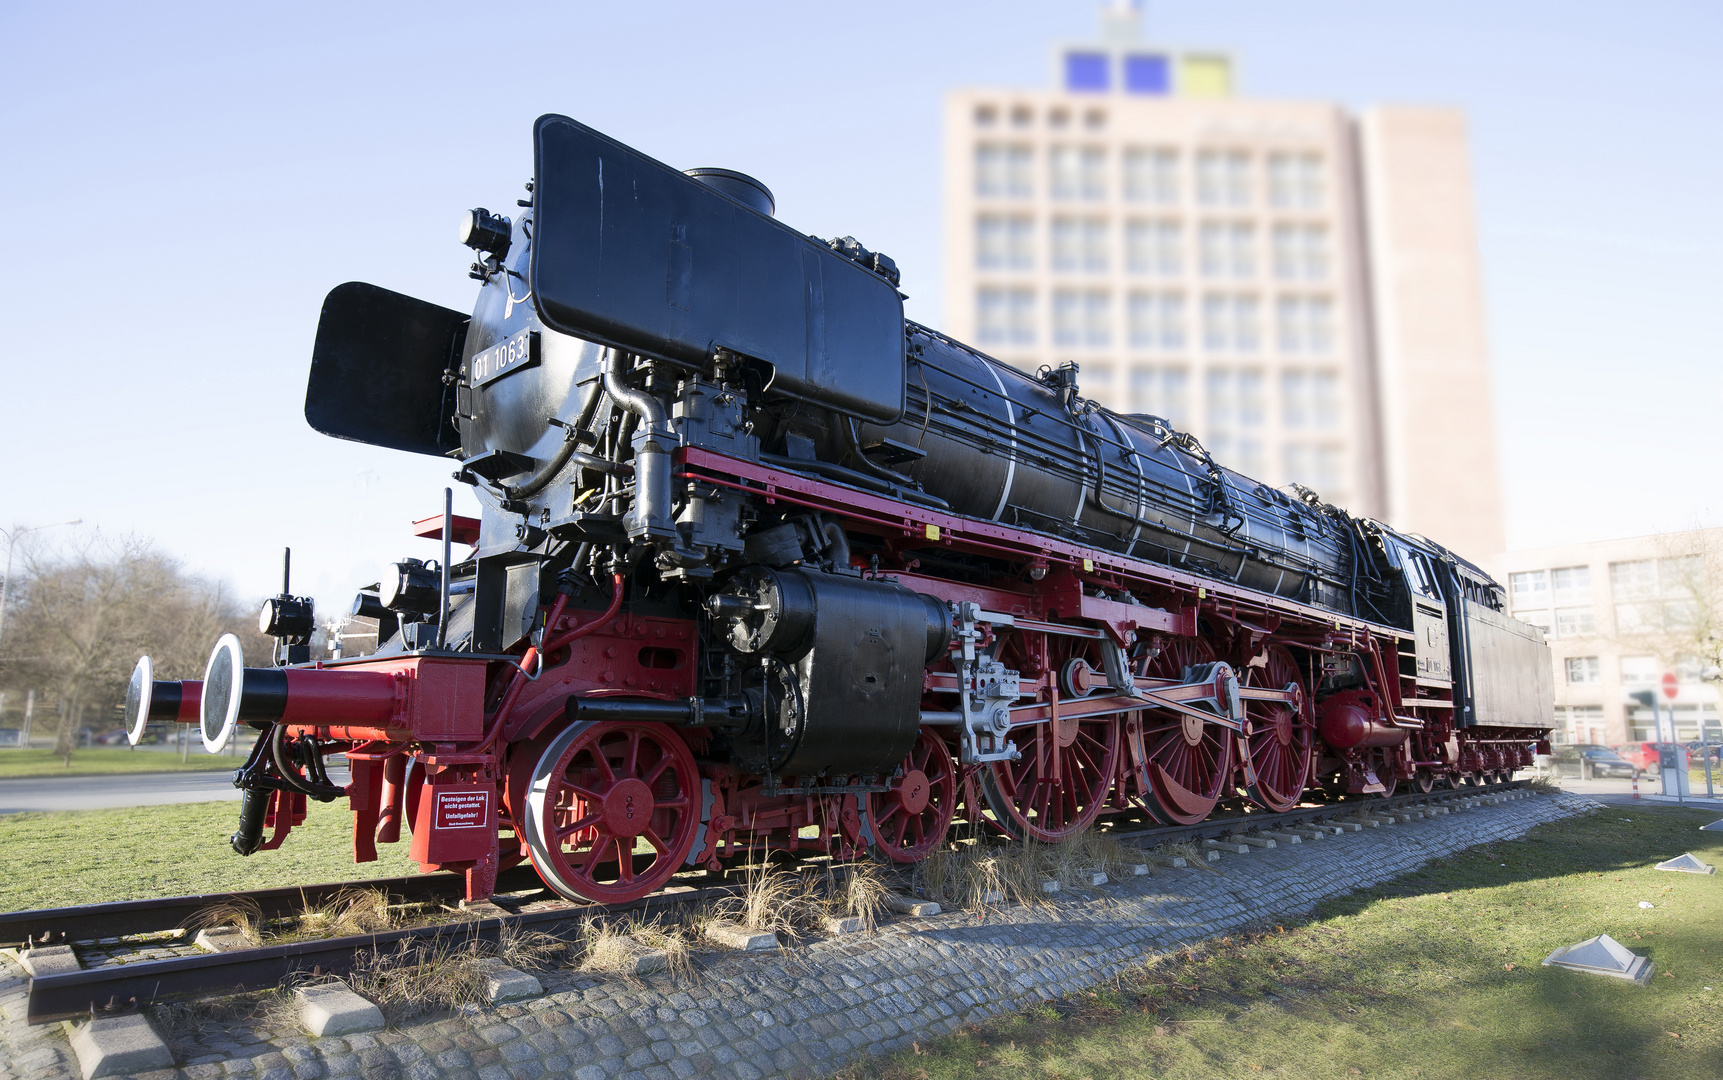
(1670, 685)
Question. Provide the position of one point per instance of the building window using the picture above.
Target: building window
(1161, 392)
(1235, 410)
(1572, 584)
(1022, 116)
(986, 116)
(1086, 72)
(1295, 181)
(1640, 670)
(1077, 173)
(1004, 243)
(1306, 324)
(1151, 175)
(1631, 580)
(1300, 252)
(1330, 472)
(1574, 622)
(1230, 323)
(1098, 384)
(1081, 317)
(1227, 249)
(1003, 171)
(1157, 320)
(1005, 316)
(1152, 247)
(1529, 588)
(1079, 244)
(1147, 73)
(1583, 670)
(1223, 178)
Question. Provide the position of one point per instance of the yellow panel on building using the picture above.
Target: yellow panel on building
(1205, 75)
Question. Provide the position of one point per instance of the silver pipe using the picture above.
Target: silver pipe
(448, 543)
(650, 515)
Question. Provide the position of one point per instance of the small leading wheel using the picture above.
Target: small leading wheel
(611, 810)
(1057, 788)
(910, 821)
(1382, 762)
(1277, 750)
(1424, 780)
(1189, 762)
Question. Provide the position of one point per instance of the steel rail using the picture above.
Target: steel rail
(124, 987)
(91, 922)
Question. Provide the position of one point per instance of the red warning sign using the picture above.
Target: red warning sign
(462, 810)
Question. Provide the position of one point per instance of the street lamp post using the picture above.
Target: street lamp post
(12, 546)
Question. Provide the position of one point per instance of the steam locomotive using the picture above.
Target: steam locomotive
(763, 566)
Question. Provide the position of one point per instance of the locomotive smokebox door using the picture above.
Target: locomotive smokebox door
(378, 366)
(634, 254)
(455, 823)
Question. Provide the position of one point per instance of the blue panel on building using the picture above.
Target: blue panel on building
(1086, 71)
(1147, 73)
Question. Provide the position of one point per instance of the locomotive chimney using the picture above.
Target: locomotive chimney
(739, 186)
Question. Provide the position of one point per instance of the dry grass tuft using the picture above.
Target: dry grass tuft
(617, 947)
(410, 980)
(978, 877)
(1193, 855)
(241, 912)
(776, 901)
(861, 893)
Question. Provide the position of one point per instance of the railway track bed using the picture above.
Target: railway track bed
(134, 954)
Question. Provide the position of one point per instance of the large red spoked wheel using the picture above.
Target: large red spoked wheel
(611, 810)
(1277, 750)
(1058, 787)
(910, 821)
(1189, 762)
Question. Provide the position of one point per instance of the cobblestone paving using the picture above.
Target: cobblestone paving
(809, 1010)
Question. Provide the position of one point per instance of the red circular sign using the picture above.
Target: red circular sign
(1670, 687)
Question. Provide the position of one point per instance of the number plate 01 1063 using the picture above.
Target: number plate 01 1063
(517, 352)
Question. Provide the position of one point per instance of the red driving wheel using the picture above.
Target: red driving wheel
(1277, 749)
(1189, 762)
(911, 820)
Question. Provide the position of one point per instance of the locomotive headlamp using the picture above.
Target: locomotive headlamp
(484, 231)
(288, 618)
(414, 588)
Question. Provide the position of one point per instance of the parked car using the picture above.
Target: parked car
(1643, 755)
(1597, 761)
(1696, 751)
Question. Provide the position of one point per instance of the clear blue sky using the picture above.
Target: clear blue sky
(184, 182)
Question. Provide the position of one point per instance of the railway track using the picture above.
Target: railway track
(124, 986)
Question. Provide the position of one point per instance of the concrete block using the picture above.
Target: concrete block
(1178, 862)
(1437, 811)
(49, 960)
(1255, 841)
(909, 905)
(504, 983)
(222, 939)
(1229, 846)
(1049, 887)
(849, 924)
(1308, 834)
(1096, 878)
(118, 1046)
(1347, 826)
(993, 896)
(1140, 870)
(1284, 837)
(734, 936)
(336, 1010)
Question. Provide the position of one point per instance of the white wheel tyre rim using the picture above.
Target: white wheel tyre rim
(143, 677)
(230, 715)
(546, 855)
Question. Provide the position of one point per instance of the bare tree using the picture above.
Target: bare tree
(85, 614)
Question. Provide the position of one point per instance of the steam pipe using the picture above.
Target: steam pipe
(650, 514)
(570, 448)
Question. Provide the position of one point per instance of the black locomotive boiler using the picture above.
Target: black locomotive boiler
(759, 558)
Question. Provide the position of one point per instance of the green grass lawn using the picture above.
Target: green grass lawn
(1436, 975)
(89, 856)
(104, 760)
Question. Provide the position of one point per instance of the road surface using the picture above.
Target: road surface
(124, 789)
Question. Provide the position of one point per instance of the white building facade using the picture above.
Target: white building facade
(1295, 285)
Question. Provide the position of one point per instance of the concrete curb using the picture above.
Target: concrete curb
(336, 1010)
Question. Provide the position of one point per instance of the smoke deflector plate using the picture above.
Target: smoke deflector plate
(1603, 955)
(1687, 864)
